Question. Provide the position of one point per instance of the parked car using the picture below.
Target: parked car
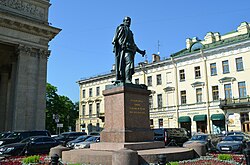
(4, 134)
(235, 133)
(94, 133)
(17, 136)
(29, 146)
(65, 137)
(246, 135)
(87, 142)
(82, 138)
(171, 136)
(232, 144)
(210, 140)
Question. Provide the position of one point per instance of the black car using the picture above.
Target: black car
(171, 136)
(65, 137)
(82, 138)
(29, 146)
(232, 144)
(17, 136)
(4, 134)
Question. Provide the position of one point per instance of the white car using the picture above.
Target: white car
(87, 142)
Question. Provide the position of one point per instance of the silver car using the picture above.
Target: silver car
(87, 142)
(209, 140)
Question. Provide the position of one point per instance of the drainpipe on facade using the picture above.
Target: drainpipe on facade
(207, 91)
(176, 92)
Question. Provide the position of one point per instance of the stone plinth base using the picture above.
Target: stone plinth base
(89, 156)
(58, 150)
(126, 114)
(133, 146)
(132, 135)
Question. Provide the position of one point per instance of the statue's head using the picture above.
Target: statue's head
(127, 21)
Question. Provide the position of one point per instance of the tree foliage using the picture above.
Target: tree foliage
(61, 106)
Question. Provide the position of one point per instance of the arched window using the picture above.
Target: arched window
(196, 46)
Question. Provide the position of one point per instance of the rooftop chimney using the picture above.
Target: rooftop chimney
(156, 58)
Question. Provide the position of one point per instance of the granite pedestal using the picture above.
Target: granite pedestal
(126, 126)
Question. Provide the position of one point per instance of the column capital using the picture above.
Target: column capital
(43, 53)
(23, 49)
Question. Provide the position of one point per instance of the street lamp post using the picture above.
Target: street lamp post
(56, 118)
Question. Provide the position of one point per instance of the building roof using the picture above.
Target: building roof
(216, 44)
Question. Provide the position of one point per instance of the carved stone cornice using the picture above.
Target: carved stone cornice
(25, 8)
(43, 30)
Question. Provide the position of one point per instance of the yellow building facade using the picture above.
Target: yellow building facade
(203, 87)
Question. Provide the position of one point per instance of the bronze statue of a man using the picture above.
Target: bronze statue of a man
(125, 49)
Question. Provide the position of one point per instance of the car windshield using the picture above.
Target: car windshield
(63, 135)
(14, 135)
(81, 138)
(158, 132)
(91, 139)
(199, 137)
(235, 133)
(233, 138)
(27, 140)
(3, 135)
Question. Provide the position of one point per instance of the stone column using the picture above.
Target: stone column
(22, 98)
(41, 88)
(11, 95)
(3, 99)
(29, 109)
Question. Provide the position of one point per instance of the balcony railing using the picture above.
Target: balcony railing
(234, 103)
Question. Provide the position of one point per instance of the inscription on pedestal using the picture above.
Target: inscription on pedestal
(136, 107)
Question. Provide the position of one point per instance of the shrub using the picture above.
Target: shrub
(225, 157)
(31, 159)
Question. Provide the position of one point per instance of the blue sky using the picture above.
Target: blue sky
(83, 48)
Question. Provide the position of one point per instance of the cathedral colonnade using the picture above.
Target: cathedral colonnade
(24, 50)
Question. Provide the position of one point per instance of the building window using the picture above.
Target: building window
(225, 66)
(239, 64)
(182, 75)
(197, 71)
(159, 100)
(97, 91)
(149, 80)
(198, 95)
(158, 79)
(215, 92)
(137, 81)
(228, 91)
(160, 123)
(83, 93)
(244, 118)
(150, 102)
(169, 78)
(90, 110)
(213, 69)
(183, 97)
(242, 89)
(98, 109)
(90, 92)
(83, 109)
(151, 123)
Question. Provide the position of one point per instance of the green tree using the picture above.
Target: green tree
(61, 107)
